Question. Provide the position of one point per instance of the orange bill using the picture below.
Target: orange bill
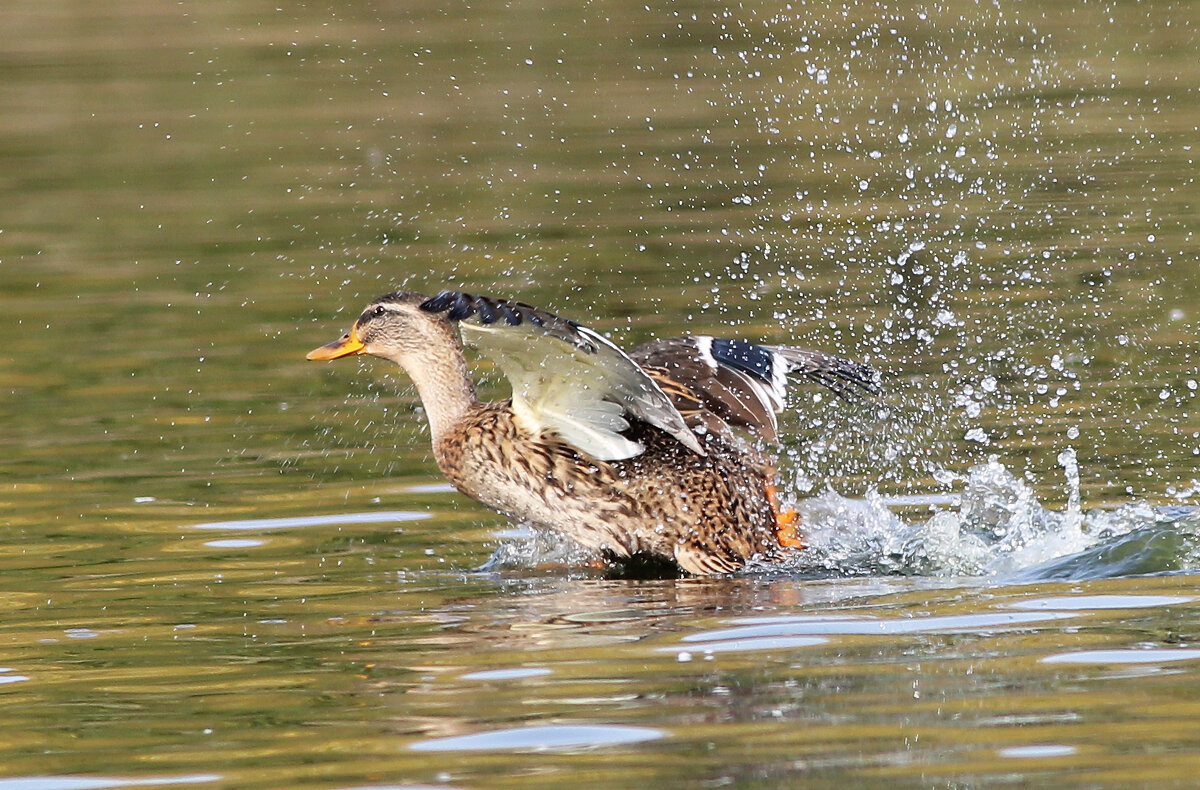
(344, 346)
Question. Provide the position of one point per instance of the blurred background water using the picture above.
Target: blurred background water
(225, 566)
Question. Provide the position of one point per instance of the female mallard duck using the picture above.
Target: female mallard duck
(630, 454)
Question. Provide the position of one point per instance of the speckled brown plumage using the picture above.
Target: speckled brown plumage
(709, 514)
(662, 476)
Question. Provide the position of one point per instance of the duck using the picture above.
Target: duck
(656, 455)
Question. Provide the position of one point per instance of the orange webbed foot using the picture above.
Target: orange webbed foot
(786, 522)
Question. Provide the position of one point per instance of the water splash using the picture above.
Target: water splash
(999, 529)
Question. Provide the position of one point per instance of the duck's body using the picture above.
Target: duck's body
(628, 454)
(708, 514)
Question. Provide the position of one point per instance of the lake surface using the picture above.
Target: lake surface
(223, 566)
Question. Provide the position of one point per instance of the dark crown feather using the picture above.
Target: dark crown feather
(487, 310)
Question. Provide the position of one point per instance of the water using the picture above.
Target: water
(226, 567)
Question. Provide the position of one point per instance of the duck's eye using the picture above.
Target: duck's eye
(378, 311)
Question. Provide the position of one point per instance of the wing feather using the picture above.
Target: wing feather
(566, 379)
(743, 383)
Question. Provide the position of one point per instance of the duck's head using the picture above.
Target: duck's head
(393, 327)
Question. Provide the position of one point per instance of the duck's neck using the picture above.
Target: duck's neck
(444, 384)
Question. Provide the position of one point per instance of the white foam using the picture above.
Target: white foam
(998, 528)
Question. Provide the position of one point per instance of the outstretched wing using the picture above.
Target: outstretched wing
(743, 383)
(566, 379)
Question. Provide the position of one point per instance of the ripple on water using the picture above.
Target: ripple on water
(746, 645)
(292, 522)
(541, 738)
(515, 673)
(782, 633)
(98, 782)
(1128, 656)
(1089, 602)
(1039, 751)
(431, 488)
(234, 543)
(871, 626)
(394, 787)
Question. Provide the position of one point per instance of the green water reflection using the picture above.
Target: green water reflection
(994, 203)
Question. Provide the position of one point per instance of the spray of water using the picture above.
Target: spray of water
(994, 527)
